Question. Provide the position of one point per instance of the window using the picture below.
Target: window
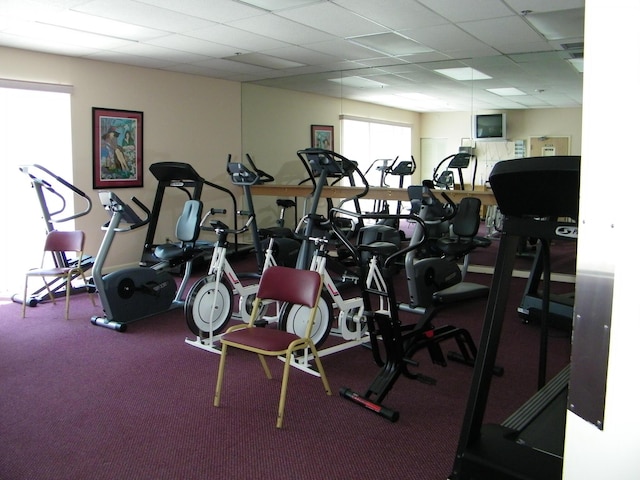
(375, 145)
(35, 128)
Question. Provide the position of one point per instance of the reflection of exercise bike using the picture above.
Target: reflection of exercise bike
(398, 169)
(133, 293)
(254, 176)
(284, 247)
(458, 161)
(432, 284)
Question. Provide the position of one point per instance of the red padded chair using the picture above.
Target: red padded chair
(282, 284)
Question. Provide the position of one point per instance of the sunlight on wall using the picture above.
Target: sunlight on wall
(35, 128)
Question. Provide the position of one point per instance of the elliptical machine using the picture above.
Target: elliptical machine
(134, 293)
(433, 282)
(48, 186)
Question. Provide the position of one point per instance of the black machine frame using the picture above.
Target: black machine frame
(533, 194)
(185, 178)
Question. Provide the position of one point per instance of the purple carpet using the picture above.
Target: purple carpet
(80, 402)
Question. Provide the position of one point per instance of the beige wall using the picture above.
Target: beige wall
(186, 118)
(443, 133)
(276, 123)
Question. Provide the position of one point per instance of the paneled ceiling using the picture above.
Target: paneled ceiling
(512, 54)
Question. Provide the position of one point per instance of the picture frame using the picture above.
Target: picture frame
(322, 137)
(117, 148)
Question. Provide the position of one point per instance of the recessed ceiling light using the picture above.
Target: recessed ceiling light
(463, 73)
(358, 82)
(506, 92)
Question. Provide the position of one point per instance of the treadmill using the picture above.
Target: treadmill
(533, 194)
(181, 176)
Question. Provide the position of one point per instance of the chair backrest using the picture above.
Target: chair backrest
(467, 219)
(59, 241)
(188, 226)
(286, 284)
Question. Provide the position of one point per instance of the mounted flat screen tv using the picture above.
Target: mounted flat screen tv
(490, 127)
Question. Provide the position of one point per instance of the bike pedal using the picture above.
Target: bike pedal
(425, 379)
(261, 323)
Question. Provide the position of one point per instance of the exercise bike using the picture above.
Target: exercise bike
(209, 304)
(433, 278)
(134, 293)
(349, 325)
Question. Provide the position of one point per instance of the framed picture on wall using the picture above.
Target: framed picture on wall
(117, 148)
(322, 136)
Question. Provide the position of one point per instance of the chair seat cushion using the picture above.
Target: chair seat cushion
(50, 272)
(269, 339)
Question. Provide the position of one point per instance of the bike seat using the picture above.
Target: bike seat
(275, 232)
(285, 203)
(383, 249)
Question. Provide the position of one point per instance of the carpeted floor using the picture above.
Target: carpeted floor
(81, 402)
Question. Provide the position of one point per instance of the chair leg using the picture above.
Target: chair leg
(88, 288)
(283, 389)
(52, 297)
(24, 296)
(223, 357)
(66, 302)
(323, 376)
(265, 367)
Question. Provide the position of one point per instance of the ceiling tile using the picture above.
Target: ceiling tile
(465, 10)
(193, 45)
(242, 39)
(405, 14)
(143, 15)
(331, 18)
(499, 31)
(219, 11)
(194, 36)
(283, 29)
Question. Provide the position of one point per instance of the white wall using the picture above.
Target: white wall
(605, 227)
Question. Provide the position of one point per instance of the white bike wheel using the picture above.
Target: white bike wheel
(294, 319)
(207, 310)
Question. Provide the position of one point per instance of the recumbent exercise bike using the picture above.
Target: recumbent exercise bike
(133, 293)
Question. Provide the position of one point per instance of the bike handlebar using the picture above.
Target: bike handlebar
(220, 227)
(376, 216)
(88, 204)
